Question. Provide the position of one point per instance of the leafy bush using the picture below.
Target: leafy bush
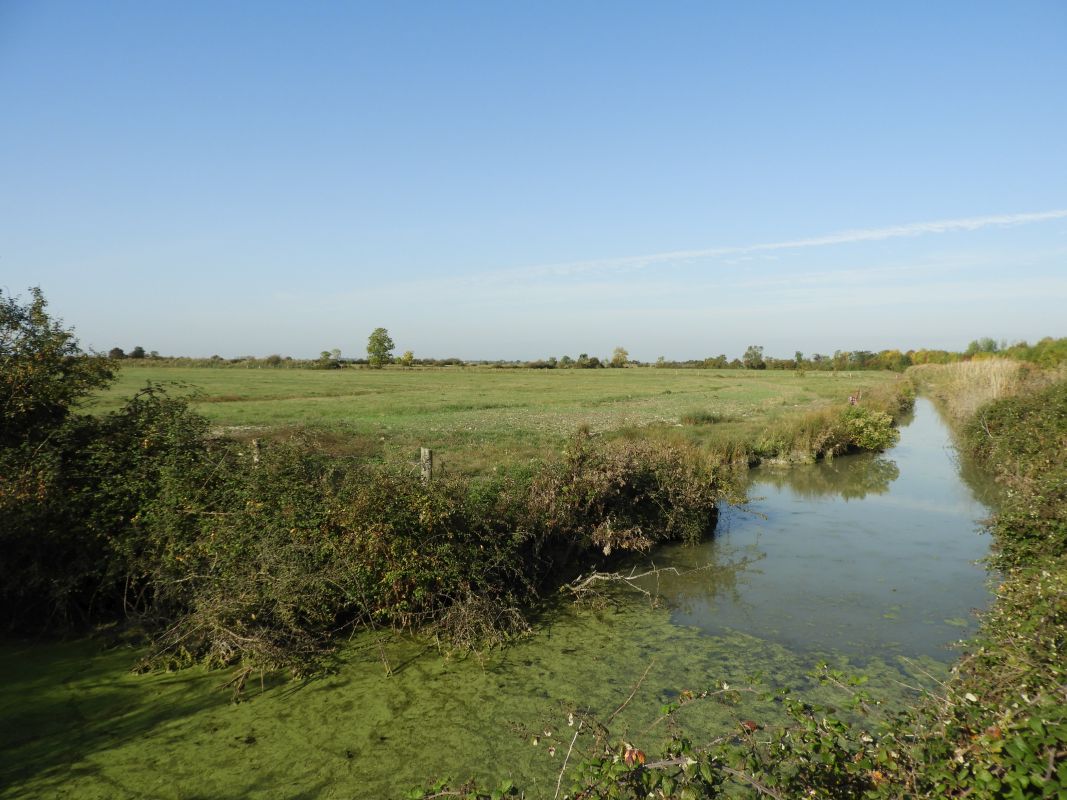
(1024, 441)
(830, 432)
(622, 496)
(267, 562)
(869, 430)
(74, 536)
(43, 372)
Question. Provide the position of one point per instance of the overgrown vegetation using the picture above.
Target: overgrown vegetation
(228, 552)
(225, 551)
(224, 554)
(997, 729)
(831, 429)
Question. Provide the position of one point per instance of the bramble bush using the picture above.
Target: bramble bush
(267, 562)
(225, 554)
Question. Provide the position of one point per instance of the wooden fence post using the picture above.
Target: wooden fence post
(426, 463)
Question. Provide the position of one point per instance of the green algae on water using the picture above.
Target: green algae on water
(389, 718)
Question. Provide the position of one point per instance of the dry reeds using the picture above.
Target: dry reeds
(964, 387)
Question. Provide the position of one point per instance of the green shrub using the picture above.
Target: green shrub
(1023, 439)
(266, 562)
(869, 430)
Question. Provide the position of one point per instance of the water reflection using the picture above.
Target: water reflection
(848, 478)
(866, 555)
(722, 576)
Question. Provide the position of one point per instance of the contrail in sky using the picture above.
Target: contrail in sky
(841, 237)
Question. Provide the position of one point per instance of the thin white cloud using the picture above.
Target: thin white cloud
(841, 237)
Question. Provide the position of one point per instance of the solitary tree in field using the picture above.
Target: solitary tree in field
(407, 359)
(753, 357)
(137, 352)
(379, 348)
(619, 357)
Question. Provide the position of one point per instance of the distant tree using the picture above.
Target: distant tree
(566, 361)
(753, 357)
(329, 359)
(137, 352)
(154, 354)
(661, 361)
(379, 348)
(116, 352)
(273, 359)
(798, 359)
(983, 345)
(860, 359)
(894, 360)
(619, 357)
(407, 359)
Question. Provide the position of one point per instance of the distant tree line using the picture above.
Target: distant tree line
(1047, 352)
(137, 352)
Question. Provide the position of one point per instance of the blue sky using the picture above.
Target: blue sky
(505, 180)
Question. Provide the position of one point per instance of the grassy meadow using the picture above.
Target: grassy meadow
(476, 419)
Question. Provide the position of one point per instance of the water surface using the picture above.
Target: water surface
(865, 554)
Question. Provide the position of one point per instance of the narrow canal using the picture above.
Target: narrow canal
(866, 563)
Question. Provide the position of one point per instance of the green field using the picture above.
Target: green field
(479, 418)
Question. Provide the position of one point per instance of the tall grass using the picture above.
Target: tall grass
(965, 387)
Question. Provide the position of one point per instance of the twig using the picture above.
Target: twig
(637, 686)
(237, 682)
(581, 585)
(759, 787)
(1051, 764)
(679, 761)
(701, 696)
(385, 659)
(926, 674)
(559, 780)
